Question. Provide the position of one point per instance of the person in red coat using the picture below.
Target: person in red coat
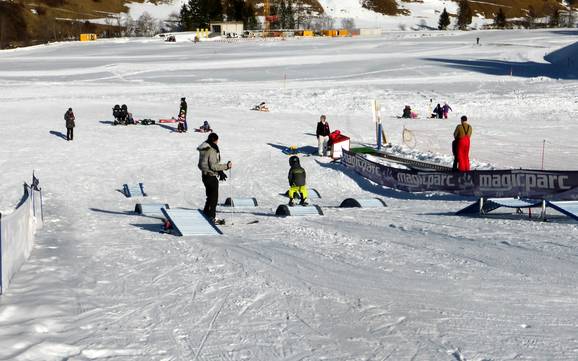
(462, 136)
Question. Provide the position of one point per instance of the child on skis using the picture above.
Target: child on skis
(297, 182)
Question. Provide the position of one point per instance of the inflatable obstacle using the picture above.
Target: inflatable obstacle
(285, 211)
(150, 209)
(362, 203)
(241, 202)
(190, 222)
(485, 206)
(134, 190)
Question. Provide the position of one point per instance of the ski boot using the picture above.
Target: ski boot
(304, 202)
(291, 202)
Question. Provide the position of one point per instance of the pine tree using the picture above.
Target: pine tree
(290, 15)
(444, 20)
(555, 19)
(500, 19)
(282, 15)
(531, 17)
(186, 20)
(249, 19)
(465, 14)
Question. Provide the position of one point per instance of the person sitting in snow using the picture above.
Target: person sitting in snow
(205, 128)
(406, 112)
(297, 182)
(262, 107)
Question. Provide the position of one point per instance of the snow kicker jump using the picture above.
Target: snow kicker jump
(520, 183)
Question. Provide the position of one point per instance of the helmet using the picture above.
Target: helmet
(294, 161)
(117, 106)
(124, 106)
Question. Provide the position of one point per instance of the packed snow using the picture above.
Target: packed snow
(408, 282)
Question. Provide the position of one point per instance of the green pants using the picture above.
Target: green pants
(300, 189)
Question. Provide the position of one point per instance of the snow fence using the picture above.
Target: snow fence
(17, 231)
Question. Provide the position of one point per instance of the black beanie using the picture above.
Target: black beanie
(212, 137)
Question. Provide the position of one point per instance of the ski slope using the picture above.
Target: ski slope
(407, 282)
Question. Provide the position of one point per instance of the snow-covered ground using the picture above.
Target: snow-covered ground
(408, 282)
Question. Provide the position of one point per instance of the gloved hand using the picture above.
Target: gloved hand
(222, 176)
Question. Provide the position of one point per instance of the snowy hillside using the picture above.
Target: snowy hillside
(407, 282)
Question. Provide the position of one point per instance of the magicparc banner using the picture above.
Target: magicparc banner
(522, 183)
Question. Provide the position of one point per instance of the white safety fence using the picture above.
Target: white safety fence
(17, 231)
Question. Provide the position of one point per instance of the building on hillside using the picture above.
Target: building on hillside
(227, 28)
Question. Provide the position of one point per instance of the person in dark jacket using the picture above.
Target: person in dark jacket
(322, 134)
(406, 112)
(297, 181)
(183, 112)
(69, 118)
(212, 172)
(438, 112)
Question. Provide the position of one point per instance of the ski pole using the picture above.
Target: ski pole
(231, 193)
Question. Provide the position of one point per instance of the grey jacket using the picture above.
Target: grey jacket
(209, 160)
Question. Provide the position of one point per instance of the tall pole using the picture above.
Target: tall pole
(543, 149)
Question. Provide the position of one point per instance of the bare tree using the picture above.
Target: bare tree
(348, 23)
(323, 22)
(129, 26)
(146, 25)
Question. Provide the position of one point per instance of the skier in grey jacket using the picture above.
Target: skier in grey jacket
(211, 168)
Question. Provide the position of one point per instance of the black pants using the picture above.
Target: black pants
(212, 191)
(69, 133)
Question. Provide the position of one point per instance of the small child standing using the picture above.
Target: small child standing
(297, 181)
(446, 109)
(181, 122)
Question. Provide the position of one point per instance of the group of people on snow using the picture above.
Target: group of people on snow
(441, 111)
(213, 171)
(122, 115)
